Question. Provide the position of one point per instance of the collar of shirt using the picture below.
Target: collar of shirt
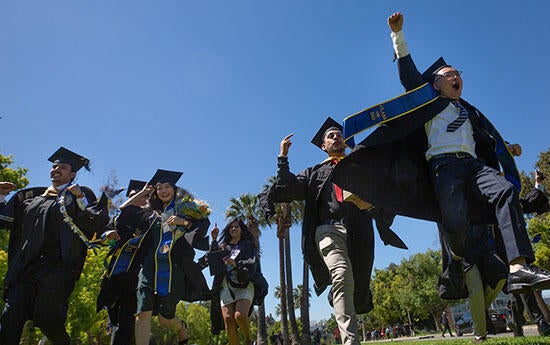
(61, 187)
(440, 141)
(333, 159)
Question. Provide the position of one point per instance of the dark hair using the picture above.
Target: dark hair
(246, 235)
(156, 204)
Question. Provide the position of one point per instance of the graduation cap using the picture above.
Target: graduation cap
(165, 176)
(135, 185)
(329, 125)
(76, 161)
(429, 74)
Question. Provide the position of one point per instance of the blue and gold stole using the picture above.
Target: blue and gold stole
(410, 101)
(163, 258)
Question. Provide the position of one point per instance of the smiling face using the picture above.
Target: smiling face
(61, 173)
(448, 82)
(165, 193)
(333, 143)
(235, 232)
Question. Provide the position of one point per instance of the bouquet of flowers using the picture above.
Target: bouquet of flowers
(187, 206)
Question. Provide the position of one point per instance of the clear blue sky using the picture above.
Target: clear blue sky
(211, 87)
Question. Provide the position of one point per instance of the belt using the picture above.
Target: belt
(459, 155)
(331, 222)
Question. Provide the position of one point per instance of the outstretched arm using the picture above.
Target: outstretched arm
(408, 73)
(395, 22)
(289, 186)
(6, 188)
(146, 191)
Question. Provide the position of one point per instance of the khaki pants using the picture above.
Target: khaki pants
(332, 243)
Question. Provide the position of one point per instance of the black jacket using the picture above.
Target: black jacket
(307, 186)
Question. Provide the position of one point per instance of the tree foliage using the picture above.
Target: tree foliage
(539, 225)
(411, 285)
(14, 175)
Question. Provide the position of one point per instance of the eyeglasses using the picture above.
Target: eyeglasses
(334, 135)
(449, 75)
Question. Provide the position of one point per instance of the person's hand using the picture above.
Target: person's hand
(146, 191)
(112, 235)
(285, 145)
(230, 262)
(515, 149)
(75, 190)
(395, 21)
(215, 231)
(175, 220)
(7, 187)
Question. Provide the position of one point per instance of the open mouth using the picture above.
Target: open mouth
(456, 85)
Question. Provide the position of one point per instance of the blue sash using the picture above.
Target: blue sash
(504, 156)
(389, 110)
(163, 260)
(164, 265)
(123, 257)
(412, 100)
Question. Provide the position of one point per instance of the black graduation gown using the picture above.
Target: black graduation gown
(187, 281)
(115, 287)
(389, 168)
(307, 186)
(35, 219)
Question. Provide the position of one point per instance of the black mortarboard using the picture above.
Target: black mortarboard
(165, 176)
(136, 185)
(429, 74)
(330, 124)
(76, 161)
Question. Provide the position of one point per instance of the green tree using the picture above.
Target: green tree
(84, 325)
(419, 275)
(410, 286)
(14, 175)
(539, 225)
(386, 308)
(17, 176)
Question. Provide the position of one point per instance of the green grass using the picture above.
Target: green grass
(538, 340)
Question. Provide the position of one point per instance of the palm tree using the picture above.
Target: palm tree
(287, 214)
(283, 224)
(246, 206)
(305, 294)
(290, 290)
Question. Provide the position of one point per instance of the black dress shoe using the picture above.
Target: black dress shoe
(543, 327)
(528, 277)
